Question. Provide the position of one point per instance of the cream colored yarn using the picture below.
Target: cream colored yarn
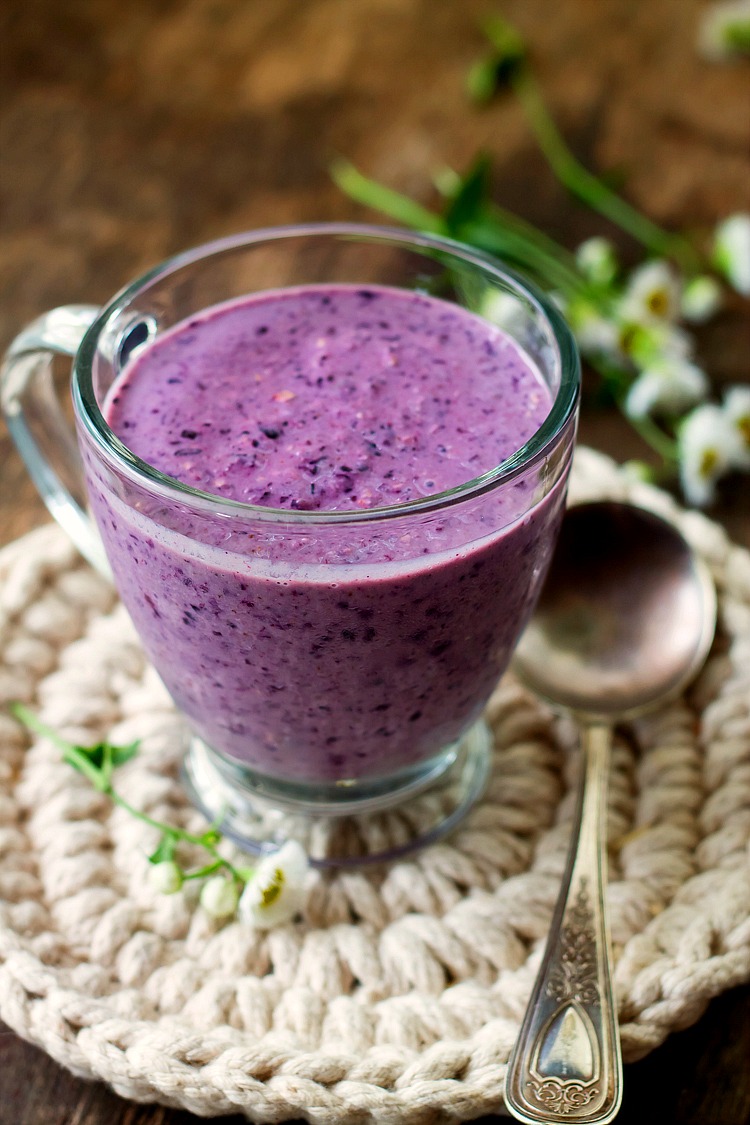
(398, 997)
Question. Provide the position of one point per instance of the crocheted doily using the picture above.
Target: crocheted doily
(398, 995)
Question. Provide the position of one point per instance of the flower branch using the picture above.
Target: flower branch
(264, 895)
(508, 61)
(633, 328)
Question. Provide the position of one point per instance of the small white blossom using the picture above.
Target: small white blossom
(732, 251)
(737, 411)
(700, 299)
(597, 260)
(165, 877)
(276, 891)
(725, 30)
(704, 453)
(667, 387)
(652, 295)
(219, 896)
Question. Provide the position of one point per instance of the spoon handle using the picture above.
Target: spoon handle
(566, 1065)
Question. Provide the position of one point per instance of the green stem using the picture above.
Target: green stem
(501, 233)
(508, 234)
(541, 240)
(372, 194)
(664, 445)
(588, 187)
(30, 720)
(101, 781)
(209, 869)
(168, 829)
(518, 251)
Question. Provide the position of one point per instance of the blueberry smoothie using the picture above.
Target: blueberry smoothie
(316, 638)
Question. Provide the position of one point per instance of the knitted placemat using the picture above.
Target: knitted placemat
(398, 996)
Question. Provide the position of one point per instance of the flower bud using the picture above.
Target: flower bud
(165, 877)
(219, 897)
(597, 260)
(700, 299)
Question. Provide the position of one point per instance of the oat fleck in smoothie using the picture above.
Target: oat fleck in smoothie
(318, 654)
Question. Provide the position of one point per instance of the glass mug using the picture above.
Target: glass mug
(334, 684)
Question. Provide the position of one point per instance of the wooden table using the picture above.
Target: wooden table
(130, 131)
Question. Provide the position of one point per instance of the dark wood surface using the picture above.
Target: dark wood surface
(130, 131)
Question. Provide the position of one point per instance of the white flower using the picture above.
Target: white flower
(704, 443)
(737, 410)
(668, 386)
(732, 251)
(276, 891)
(701, 298)
(652, 295)
(219, 896)
(165, 877)
(725, 30)
(597, 260)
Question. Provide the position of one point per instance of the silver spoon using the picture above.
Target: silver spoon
(624, 622)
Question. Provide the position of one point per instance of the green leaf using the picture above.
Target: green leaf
(467, 205)
(210, 838)
(165, 851)
(506, 40)
(105, 755)
(122, 754)
(482, 79)
(509, 51)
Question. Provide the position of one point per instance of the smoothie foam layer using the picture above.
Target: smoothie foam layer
(328, 399)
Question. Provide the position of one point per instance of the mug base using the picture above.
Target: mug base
(343, 827)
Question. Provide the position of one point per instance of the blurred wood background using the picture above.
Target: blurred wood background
(132, 131)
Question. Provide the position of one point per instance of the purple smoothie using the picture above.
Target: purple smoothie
(320, 650)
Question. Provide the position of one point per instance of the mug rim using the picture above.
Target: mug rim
(117, 454)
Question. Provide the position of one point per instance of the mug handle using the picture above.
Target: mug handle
(39, 429)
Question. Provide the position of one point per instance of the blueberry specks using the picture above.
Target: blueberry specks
(151, 604)
(410, 398)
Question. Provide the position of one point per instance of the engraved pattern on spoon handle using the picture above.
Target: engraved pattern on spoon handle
(566, 1065)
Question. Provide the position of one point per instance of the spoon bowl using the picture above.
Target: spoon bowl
(626, 616)
(624, 622)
